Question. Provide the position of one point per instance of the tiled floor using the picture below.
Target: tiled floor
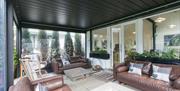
(90, 83)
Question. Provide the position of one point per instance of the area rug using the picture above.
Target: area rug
(104, 76)
(112, 86)
(91, 83)
(86, 84)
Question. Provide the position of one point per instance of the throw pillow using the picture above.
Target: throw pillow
(40, 87)
(135, 68)
(65, 62)
(147, 69)
(161, 73)
(65, 59)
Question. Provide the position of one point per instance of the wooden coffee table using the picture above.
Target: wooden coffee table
(77, 73)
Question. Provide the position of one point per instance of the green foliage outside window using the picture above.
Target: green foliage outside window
(77, 45)
(55, 45)
(26, 41)
(68, 44)
(43, 41)
(16, 63)
(169, 54)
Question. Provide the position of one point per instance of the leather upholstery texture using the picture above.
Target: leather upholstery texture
(145, 82)
(54, 83)
(75, 62)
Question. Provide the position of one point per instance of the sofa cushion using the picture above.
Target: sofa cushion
(74, 65)
(23, 85)
(135, 68)
(147, 69)
(161, 73)
(77, 59)
(144, 82)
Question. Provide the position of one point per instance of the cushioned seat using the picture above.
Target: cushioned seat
(143, 80)
(74, 65)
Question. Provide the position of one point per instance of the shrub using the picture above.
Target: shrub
(43, 41)
(68, 44)
(77, 45)
(55, 45)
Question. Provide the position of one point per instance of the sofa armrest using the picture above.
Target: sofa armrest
(119, 66)
(44, 80)
(11, 88)
(51, 82)
(56, 66)
(122, 69)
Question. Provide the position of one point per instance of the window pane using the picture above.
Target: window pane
(99, 39)
(129, 37)
(147, 35)
(44, 45)
(2, 48)
(167, 34)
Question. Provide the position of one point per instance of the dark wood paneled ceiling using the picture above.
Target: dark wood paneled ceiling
(80, 14)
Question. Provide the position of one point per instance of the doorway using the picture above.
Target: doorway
(115, 45)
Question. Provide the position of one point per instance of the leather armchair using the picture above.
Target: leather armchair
(54, 83)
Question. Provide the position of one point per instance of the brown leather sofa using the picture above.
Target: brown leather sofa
(58, 67)
(145, 82)
(52, 83)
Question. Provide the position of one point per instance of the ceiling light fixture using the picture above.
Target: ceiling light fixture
(160, 19)
(101, 36)
(172, 26)
(95, 35)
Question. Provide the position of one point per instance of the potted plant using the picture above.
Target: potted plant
(167, 57)
(100, 53)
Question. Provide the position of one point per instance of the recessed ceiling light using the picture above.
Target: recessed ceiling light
(101, 36)
(160, 19)
(172, 26)
(134, 32)
(95, 35)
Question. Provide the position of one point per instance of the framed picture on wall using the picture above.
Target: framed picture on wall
(172, 40)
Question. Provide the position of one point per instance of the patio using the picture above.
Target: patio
(89, 45)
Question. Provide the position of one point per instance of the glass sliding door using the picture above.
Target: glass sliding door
(3, 46)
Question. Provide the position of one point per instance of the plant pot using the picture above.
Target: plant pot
(141, 58)
(159, 60)
(100, 56)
